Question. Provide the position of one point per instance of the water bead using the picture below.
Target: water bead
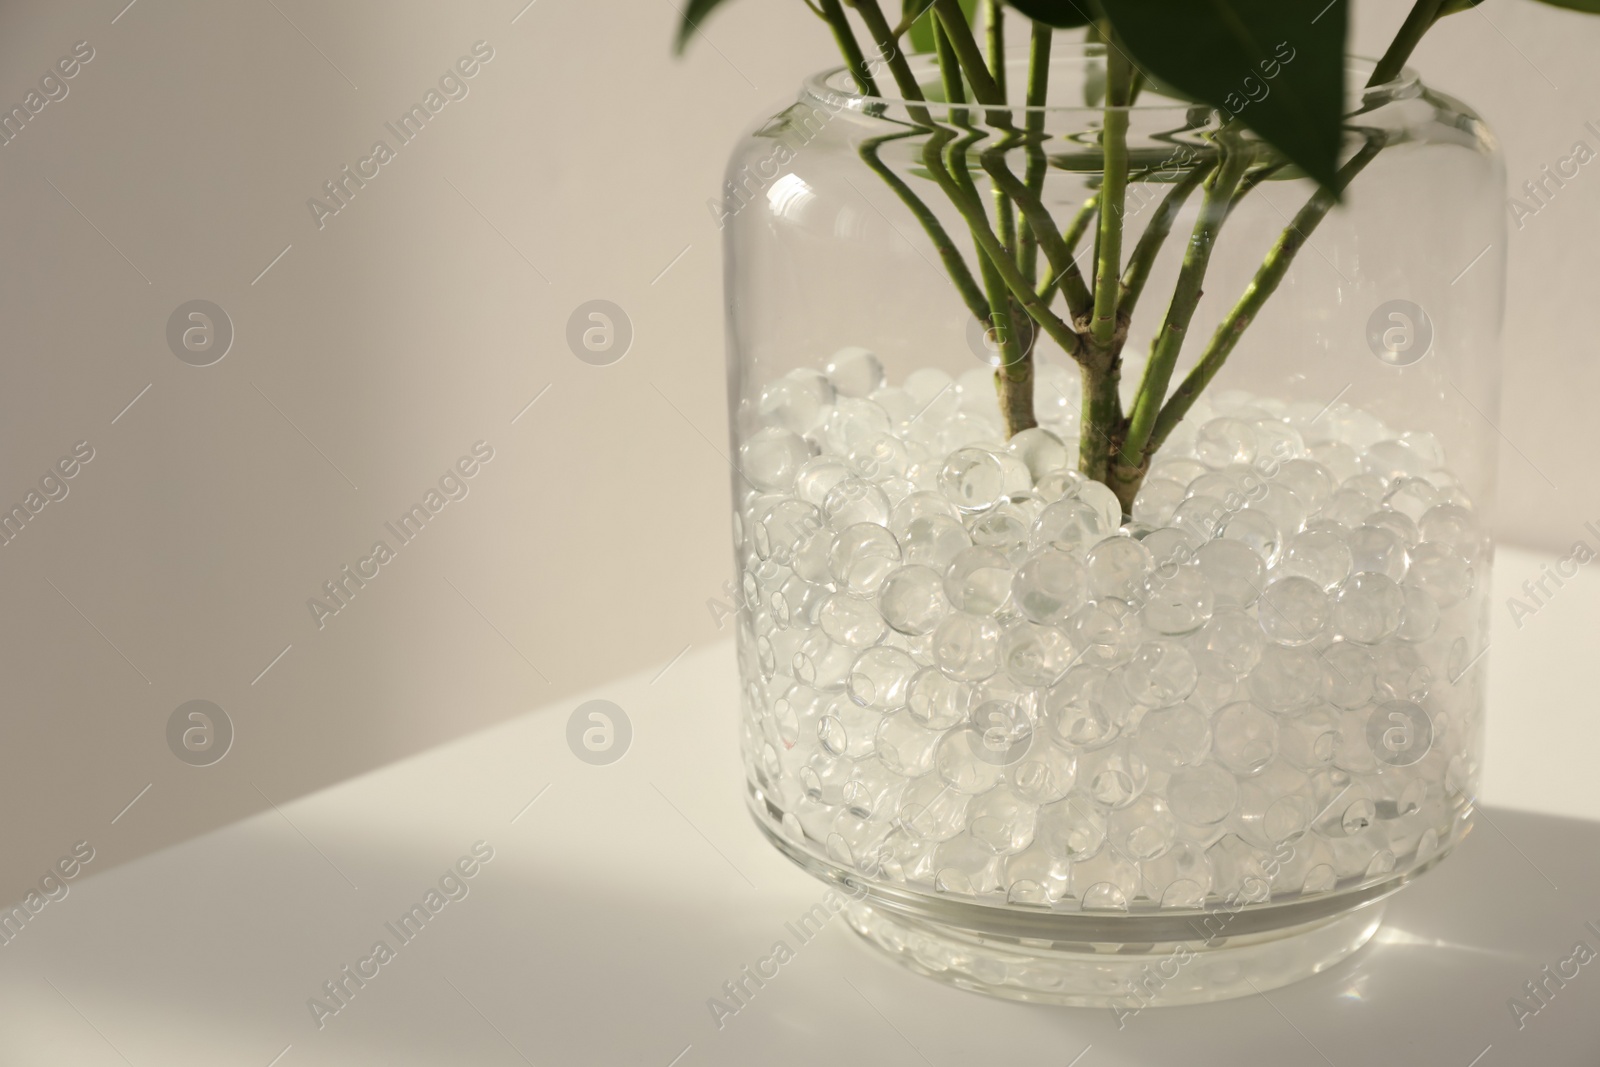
(1287, 511)
(772, 457)
(1177, 468)
(973, 479)
(1003, 820)
(1257, 531)
(1058, 484)
(1347, 674)
(1202, 795)
(1400, 525)
(936, 700)
(934, 541)
(1320, 555)
(901, 405)
(1160, 674)
(1035, 655)
(862, 557)
(1348, 506)
(1034, 877)
(1368, 609)
(855, 500)
(1224, 441)
(783, 529)
(1441, 572)
(927, 383)
(1201, 517)
(1049, 587)
(1114, 775)
(1003, 528)
(967, 647)
(1454, 525)
(817, 476)
(1287, 678)
(1378, 550)
(1106, 631)
(850, 727)
(1179, 604)
(1235, 571)
(823, 663)
(912, 601)
(1293, 611)
(1116, 567)
(1339, 459)
(1040, 451)
(879, 458)
(920, 505)
(965, 764)
(1169, 549)
(851, 621)
(851, 421)
(797, 401)
(904, 745)
(1048, 771)
(1400, 674)
(1223, 484)
(1069, 523)
(1394, 459)
(1077, 709)
(978, 580)
(1412, 497)
(1104, 502)
(1144, 830)
(880, 677)
(1228, 647)
(1157, 499)
(1244, 738)
(932, 811)
(1421, 619)
(1312, 482)
(1006, 729)
(855, 372)
(1170, 739)
(1274, 806)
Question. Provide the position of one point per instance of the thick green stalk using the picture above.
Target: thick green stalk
(1038, 163)
(1146, 251)
(1262, 286)
(1219, 189)
(833, 14)
(1418, 22)
(995, 41)
(1113, 192)
(888, 45)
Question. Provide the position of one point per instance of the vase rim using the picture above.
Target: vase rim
(835, 88)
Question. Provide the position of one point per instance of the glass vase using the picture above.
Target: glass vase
(1153, 743)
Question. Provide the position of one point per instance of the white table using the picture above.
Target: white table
(623, 898)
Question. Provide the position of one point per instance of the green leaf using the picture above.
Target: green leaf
(694, 13)
(1062, 14)
(920, 34)
(1591, 7)
(1275, 65)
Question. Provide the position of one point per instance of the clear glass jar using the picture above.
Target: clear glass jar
(1052, 751)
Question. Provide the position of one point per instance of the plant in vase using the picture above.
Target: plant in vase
(1052, 662)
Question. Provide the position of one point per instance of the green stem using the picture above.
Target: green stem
(1421, 19)
(1219, 189)
(1145, 252)
(1262, 286)
(994, 31)
(833, 14)
(949, 254)
(989, 245)
(984, 89)
(1071, 280)
(1113, 192)
(1038, 163)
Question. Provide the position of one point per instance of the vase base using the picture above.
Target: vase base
(1123, 977)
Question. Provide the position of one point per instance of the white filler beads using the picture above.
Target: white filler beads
(963, 673)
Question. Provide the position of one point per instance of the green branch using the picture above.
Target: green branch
(1144, 255)
(1113, 192)
(1262, 286)
(855, 60)
(1219, 189)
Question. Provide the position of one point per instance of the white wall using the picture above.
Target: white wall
(421, 319)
